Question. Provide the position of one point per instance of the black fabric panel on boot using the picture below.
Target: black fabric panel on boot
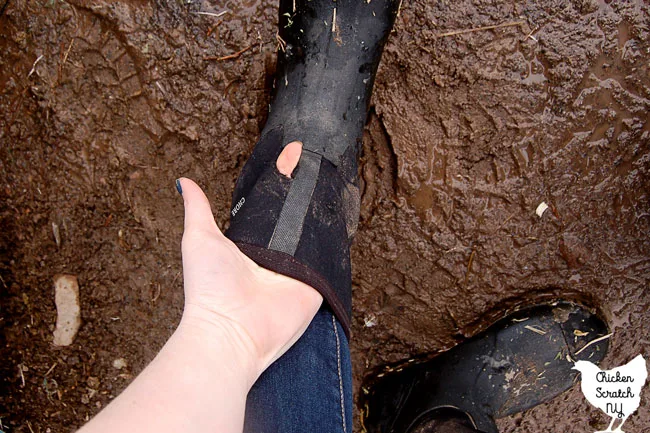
(302, 227)
(259, 194)
(324, 234)
(325, 237)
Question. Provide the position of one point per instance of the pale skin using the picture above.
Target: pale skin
(238, 319)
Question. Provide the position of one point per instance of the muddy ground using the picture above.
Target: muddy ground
(105, 103)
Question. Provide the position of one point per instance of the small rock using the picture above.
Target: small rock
(120, 363)
(541, 209)
(73, 360)
(57, 234)
(93, 382)
(369, 320)
(68, 319)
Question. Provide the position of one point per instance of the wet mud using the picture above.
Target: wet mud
(105, 103)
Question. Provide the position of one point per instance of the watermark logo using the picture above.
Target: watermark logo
(616, 392)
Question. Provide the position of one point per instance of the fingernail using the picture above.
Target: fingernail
(178, 187)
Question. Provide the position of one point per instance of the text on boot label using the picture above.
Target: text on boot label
(238, 206)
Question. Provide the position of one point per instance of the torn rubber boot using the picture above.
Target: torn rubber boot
(303, 226)
(519, 362)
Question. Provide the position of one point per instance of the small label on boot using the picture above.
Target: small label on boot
(238, 206)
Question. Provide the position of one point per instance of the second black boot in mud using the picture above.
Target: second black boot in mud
(521, 361)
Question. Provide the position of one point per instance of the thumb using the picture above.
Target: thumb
(198, 213)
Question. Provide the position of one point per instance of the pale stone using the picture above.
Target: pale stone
(120, 363)
(541, 209)
(68, 319)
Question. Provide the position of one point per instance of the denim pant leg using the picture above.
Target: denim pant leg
(307, 390)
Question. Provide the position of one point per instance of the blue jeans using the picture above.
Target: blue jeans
(309, 389)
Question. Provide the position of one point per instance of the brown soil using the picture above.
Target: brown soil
(468, 134)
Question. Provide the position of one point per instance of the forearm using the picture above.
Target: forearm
(198, 382)
(238, 318)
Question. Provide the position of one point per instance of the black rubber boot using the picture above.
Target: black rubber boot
(302, 227)
(519, 362)
(445, 420)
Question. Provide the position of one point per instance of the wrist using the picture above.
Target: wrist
(222, 340)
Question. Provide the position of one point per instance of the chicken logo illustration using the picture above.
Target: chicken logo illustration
(616, 392)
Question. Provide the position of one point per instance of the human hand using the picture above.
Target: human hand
(260, 312)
